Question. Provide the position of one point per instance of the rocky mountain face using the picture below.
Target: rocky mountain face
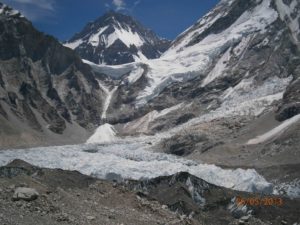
(45, 89)
(231, 77)
(238, 60)
(283, 23)
(232, 68)
(116, 39)
(225, 96)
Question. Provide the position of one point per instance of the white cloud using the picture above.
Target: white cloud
(137, 2)
(119, 4)
(42, 4)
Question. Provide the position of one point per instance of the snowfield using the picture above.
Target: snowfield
(183, 62)
(124, 34)
(133, 159)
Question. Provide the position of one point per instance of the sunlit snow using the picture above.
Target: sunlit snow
(103, 134)
(182, 63)
(73, 45)
(274, 132)
(109, 94)
(128, 37)
(133, 159)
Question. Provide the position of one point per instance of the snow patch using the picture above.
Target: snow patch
(13, 12)
(135, 74)
(2, 7)
(242, 46)
(109, 95)
(104, 134)
(140, 57)
(274, 132)
(218, 70)
(126, 36)
(73, 45)
(285, 12)
(95, 38)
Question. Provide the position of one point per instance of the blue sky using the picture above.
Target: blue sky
(63, 18)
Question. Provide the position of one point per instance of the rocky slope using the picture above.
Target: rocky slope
(225, 59)
(116, 39)
(47, 95)
(226, 92)
(179, 199)
(240, 60)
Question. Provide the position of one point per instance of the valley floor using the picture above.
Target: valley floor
(165, 200)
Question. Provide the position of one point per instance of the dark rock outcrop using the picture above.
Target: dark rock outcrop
(42, 83)
(194, 197)
(291, 102)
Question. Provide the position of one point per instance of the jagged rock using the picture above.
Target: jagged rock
(291, 101)
(92, 47)
(44, 85)
(245, 218)
(183, 144)
(27, 194)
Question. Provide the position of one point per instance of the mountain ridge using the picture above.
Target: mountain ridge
(116, 38)
(46, 92)
(244, 68)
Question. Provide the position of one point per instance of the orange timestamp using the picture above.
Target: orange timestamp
(260, 201)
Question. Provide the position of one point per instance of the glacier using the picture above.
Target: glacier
(183, 62)
(133, 159)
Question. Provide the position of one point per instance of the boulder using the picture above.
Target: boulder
(27, 194)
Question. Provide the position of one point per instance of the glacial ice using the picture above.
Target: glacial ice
(133, 159)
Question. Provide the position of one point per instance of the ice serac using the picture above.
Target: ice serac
(206, 48)
(117, 39)
(132, 160)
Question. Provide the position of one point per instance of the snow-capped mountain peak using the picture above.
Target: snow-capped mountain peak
(116, 39)
(218, 53)
(7, 11)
